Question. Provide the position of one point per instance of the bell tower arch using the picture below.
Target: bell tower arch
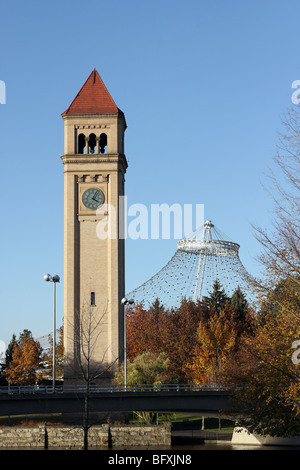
(94, 267)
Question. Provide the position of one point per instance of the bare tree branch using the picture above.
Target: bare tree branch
(90, 363)
(281, 245)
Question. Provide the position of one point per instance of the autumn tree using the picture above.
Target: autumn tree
(179, 339)
(196, 337)
(216, 339)
(265, 377)
(59, 355)
(265, 380)
(25, 365)
(161, 330)
(219, 336)
(138, 330)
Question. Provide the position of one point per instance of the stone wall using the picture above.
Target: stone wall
(140, 435)
(15, 436)
(69, 437)
(72, 436)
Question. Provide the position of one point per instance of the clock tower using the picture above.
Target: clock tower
(94, 168)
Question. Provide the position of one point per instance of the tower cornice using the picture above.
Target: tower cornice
(82, 159)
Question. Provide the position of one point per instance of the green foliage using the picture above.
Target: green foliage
(26, 334)
(217, 298)
(9, 350)
(147, 368)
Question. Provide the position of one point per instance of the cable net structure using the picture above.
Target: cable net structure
(193, 269)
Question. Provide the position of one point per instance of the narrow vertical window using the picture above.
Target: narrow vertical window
(92, 143)
(81, 143)
(103, 142)
(93, 299)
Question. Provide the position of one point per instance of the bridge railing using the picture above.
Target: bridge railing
(16, 389)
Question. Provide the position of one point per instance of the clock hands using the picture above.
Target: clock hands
(93, 198)
(96, 193)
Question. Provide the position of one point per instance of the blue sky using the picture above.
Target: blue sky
(203, 85)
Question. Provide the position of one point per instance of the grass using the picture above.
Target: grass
(210, 424)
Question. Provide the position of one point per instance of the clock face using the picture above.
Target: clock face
(92, 198)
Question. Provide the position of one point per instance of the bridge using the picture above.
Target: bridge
(204, 400)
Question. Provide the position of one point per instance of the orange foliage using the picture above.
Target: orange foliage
(24, 366)
(159, 330)
(59, 354)
(218, 339)
(197, 337)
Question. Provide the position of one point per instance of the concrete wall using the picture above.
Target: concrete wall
(43, 436)
(241, 436)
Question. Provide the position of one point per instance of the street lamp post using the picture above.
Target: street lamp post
(53, 279)
(125, 302)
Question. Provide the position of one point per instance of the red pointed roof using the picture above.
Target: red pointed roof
(93, 97)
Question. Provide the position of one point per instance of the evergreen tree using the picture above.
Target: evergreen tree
(217, 298)
(9, 350)
(26, 334)
(156, 307)
(241, 312)
(240, 304)
(8, 359)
